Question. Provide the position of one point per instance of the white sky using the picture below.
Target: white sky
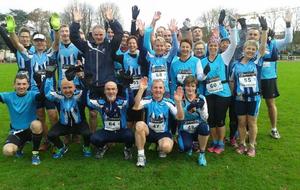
(169, 8)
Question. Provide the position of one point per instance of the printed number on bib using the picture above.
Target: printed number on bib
(248, 80)
(214, 85)
(158, 127)
(190, 126)
(181, 77)
(136, 83)
(112, 125)
(266, 64)
(159, 73)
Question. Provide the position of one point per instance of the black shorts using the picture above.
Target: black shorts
(269, 88)
(134, 115)
(20, 138)
(46, 104)
(154, 137)
(217, 108)
(247, 108)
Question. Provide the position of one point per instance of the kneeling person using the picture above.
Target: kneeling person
(156, 129)
(113, 112)
(72, 118)
(24, 125)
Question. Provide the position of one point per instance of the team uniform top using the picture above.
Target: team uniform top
(22, 109)
(113, 113)
(181, 69)
(158, 67)
(246, 77)
(192, 120)
(217, 77)
(269, 69)
(157, 113)
(69, 112)
(67, 55)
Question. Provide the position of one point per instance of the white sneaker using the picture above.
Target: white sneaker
(141, 161)
(162, 154)
(275, 134)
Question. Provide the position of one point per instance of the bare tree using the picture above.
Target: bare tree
(40, 20)
(100, 19)
(87, 12)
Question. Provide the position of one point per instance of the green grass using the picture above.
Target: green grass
(276, 165)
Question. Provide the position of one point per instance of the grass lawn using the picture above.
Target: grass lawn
(276, 166)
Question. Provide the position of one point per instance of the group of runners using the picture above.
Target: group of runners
(158, 86)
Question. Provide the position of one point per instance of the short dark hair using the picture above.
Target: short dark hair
(186, 41)
(22, 74)
(132, 37)
(24, 29)
(189, 80)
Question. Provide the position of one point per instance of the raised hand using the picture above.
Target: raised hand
(178, 95)
(263, 23)
(242, 22)
(232, 21)
(222, 17)
(173, 26)
(77, 14)
(156, 16)
(140, 26)
(10, 24)
(108, 14)
(135, 12)
(55, 22)
(144, 83)
(288, 18)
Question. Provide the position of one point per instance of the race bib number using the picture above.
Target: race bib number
(112, 124)
(159, 73)
(266, 64)
(190, 126)
(248, 80)
(157, 126)
(136, 83)
(181, 76)
(214, 85)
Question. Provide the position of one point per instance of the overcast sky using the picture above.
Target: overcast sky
(170, 9)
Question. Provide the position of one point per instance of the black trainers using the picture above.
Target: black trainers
(127, 153)
(100, 152)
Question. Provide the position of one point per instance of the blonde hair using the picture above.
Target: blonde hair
(160, 39)
(250, 43)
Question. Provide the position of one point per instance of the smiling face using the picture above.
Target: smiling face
(224, 45)
(24, 38)
(124, 40)
(21, 85)
(158, 89)
(65, 34)
(111, 91)
(98, 34)
(199, 50)
(40, 45)
(197, 34)
(253, 34)
(110, 34)
(249, 51)
(67, 88)
(159, 46)
(185, 49)
(132, 45)
(213, 48)
(190, 89)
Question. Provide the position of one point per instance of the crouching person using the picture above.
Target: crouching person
(113, 112)
(24, 125)
(194, 126)
(71, 116)
(156, 129)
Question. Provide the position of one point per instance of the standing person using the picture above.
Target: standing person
(246, 75)
(194, 126)
(158, 62)
(72, 117)
(39, 60)
(24, 125)
(113, 110)
(98, 52)
(269, 87)
(156, 127)
(217, 89)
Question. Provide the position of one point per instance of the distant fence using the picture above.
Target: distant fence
(289, 57)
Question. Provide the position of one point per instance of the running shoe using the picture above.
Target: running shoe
(59, 152)
(202, 160)
(141, 161)
(100, 152)
(127, 153)
(87, 151)
(35, 160)
(275, 134)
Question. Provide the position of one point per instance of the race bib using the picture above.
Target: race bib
(190, 126)
(182, 75)
(214, 85)
(136, 83)
(266, 64)
(42, 73)
(157, 127)
(159, 73)
(112, 124)
(248, 80)
(64, 69)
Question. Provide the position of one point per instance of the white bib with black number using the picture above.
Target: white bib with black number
(158, 127)
(248, 80)
(136, 83)
(181, 77)
(190, 126)
(159, 73)
(214, 85)
(112, 124)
